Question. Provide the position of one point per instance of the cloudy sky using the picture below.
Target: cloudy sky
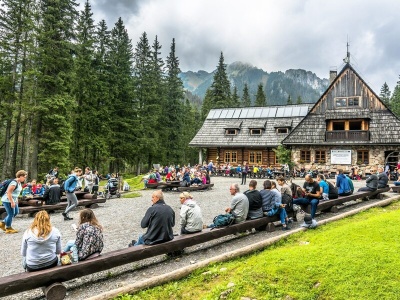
(271, 35)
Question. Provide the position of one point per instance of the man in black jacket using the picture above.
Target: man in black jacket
(255, 201)
(159, 220)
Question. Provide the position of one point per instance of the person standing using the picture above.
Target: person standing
(210, 167)
(10, 201)
(89, 182)
(69, 187)
(245, 170)
(40, 244)
(159, 220)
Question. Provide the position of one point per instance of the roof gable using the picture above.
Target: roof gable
(360, 102)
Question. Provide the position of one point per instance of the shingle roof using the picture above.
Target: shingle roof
(212, 133)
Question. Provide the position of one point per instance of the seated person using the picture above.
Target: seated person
(89, 236)
(191, 218)
(383, 179)
(203, 177)
(208, 179)
(272, 203)
(27, 191)
(342, 184)
(40, 244)
(159, 220)
(34, 186)
(186, 178)
(324, 187)
(239, 207)
(52, 194)
(255, 201)
(196, 180)
(312, 194)
(371, 183)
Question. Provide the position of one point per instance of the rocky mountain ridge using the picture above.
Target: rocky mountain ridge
(277, 85)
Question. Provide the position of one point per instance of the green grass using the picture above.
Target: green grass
(135, 182)
(354, 258)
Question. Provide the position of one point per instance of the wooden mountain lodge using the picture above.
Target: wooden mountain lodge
(349, 125)
(235, 135)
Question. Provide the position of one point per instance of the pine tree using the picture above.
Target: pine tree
(149, 107)
(175, 116)
(85, 82)
(289, 100)
(261, 99)
(299, 100)
(220, 88)
(54, 103)
(395, 100)
(16, 45)
(207, 104)
(235, 98)
(123, 108)
(246, 101)
(385, 94)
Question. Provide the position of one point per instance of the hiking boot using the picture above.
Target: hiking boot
(131, 244)
(64, 214)
(66, 218)
(11, 230)
(3, 226)
(284, 228)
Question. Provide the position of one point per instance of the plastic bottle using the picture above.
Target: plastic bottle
(74, 254)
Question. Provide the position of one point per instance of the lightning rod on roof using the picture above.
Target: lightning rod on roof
(347, 58)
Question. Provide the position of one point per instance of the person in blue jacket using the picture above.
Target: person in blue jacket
(342, 184)
(69, 187)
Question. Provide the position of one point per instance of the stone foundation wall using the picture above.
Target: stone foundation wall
(376, 158)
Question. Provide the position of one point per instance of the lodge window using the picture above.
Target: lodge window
(231, 132)
(255, 131)
(320, 156)
(282, 130)
(355, 124)
(338, 125)
(362, 157)
(305, 156)
(347, 102)
(230, 156)
(255, 157)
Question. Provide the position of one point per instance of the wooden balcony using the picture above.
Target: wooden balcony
(347, 135)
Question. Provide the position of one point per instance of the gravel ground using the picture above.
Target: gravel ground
(121, 220)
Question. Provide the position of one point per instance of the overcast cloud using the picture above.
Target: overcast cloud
(271, 35)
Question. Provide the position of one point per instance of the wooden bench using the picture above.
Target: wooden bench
(51, 279)
(196, 187)
(395, 188)
(169, 185)
(32, 210)
(332, 204)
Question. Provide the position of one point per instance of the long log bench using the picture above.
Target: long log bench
(395, 188)
(332, 204)
(51, 279)
(88, 203)
(196, 187)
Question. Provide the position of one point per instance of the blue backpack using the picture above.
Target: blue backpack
(223, 220)
(4, 186)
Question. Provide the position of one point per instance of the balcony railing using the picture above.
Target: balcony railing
(347, 135)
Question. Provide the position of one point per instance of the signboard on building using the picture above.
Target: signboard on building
(341, 157)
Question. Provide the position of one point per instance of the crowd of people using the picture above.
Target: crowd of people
(41, 243)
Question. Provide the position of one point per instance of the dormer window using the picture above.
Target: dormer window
(255, 131)
(347, 102)
(230, 131)
(282, 130)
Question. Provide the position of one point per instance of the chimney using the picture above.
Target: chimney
(332, 74)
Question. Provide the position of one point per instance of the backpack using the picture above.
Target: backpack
(223, 220)
(333, 191)
(4, 186)
(288, 200)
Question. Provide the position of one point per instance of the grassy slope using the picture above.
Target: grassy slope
(354, 258)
